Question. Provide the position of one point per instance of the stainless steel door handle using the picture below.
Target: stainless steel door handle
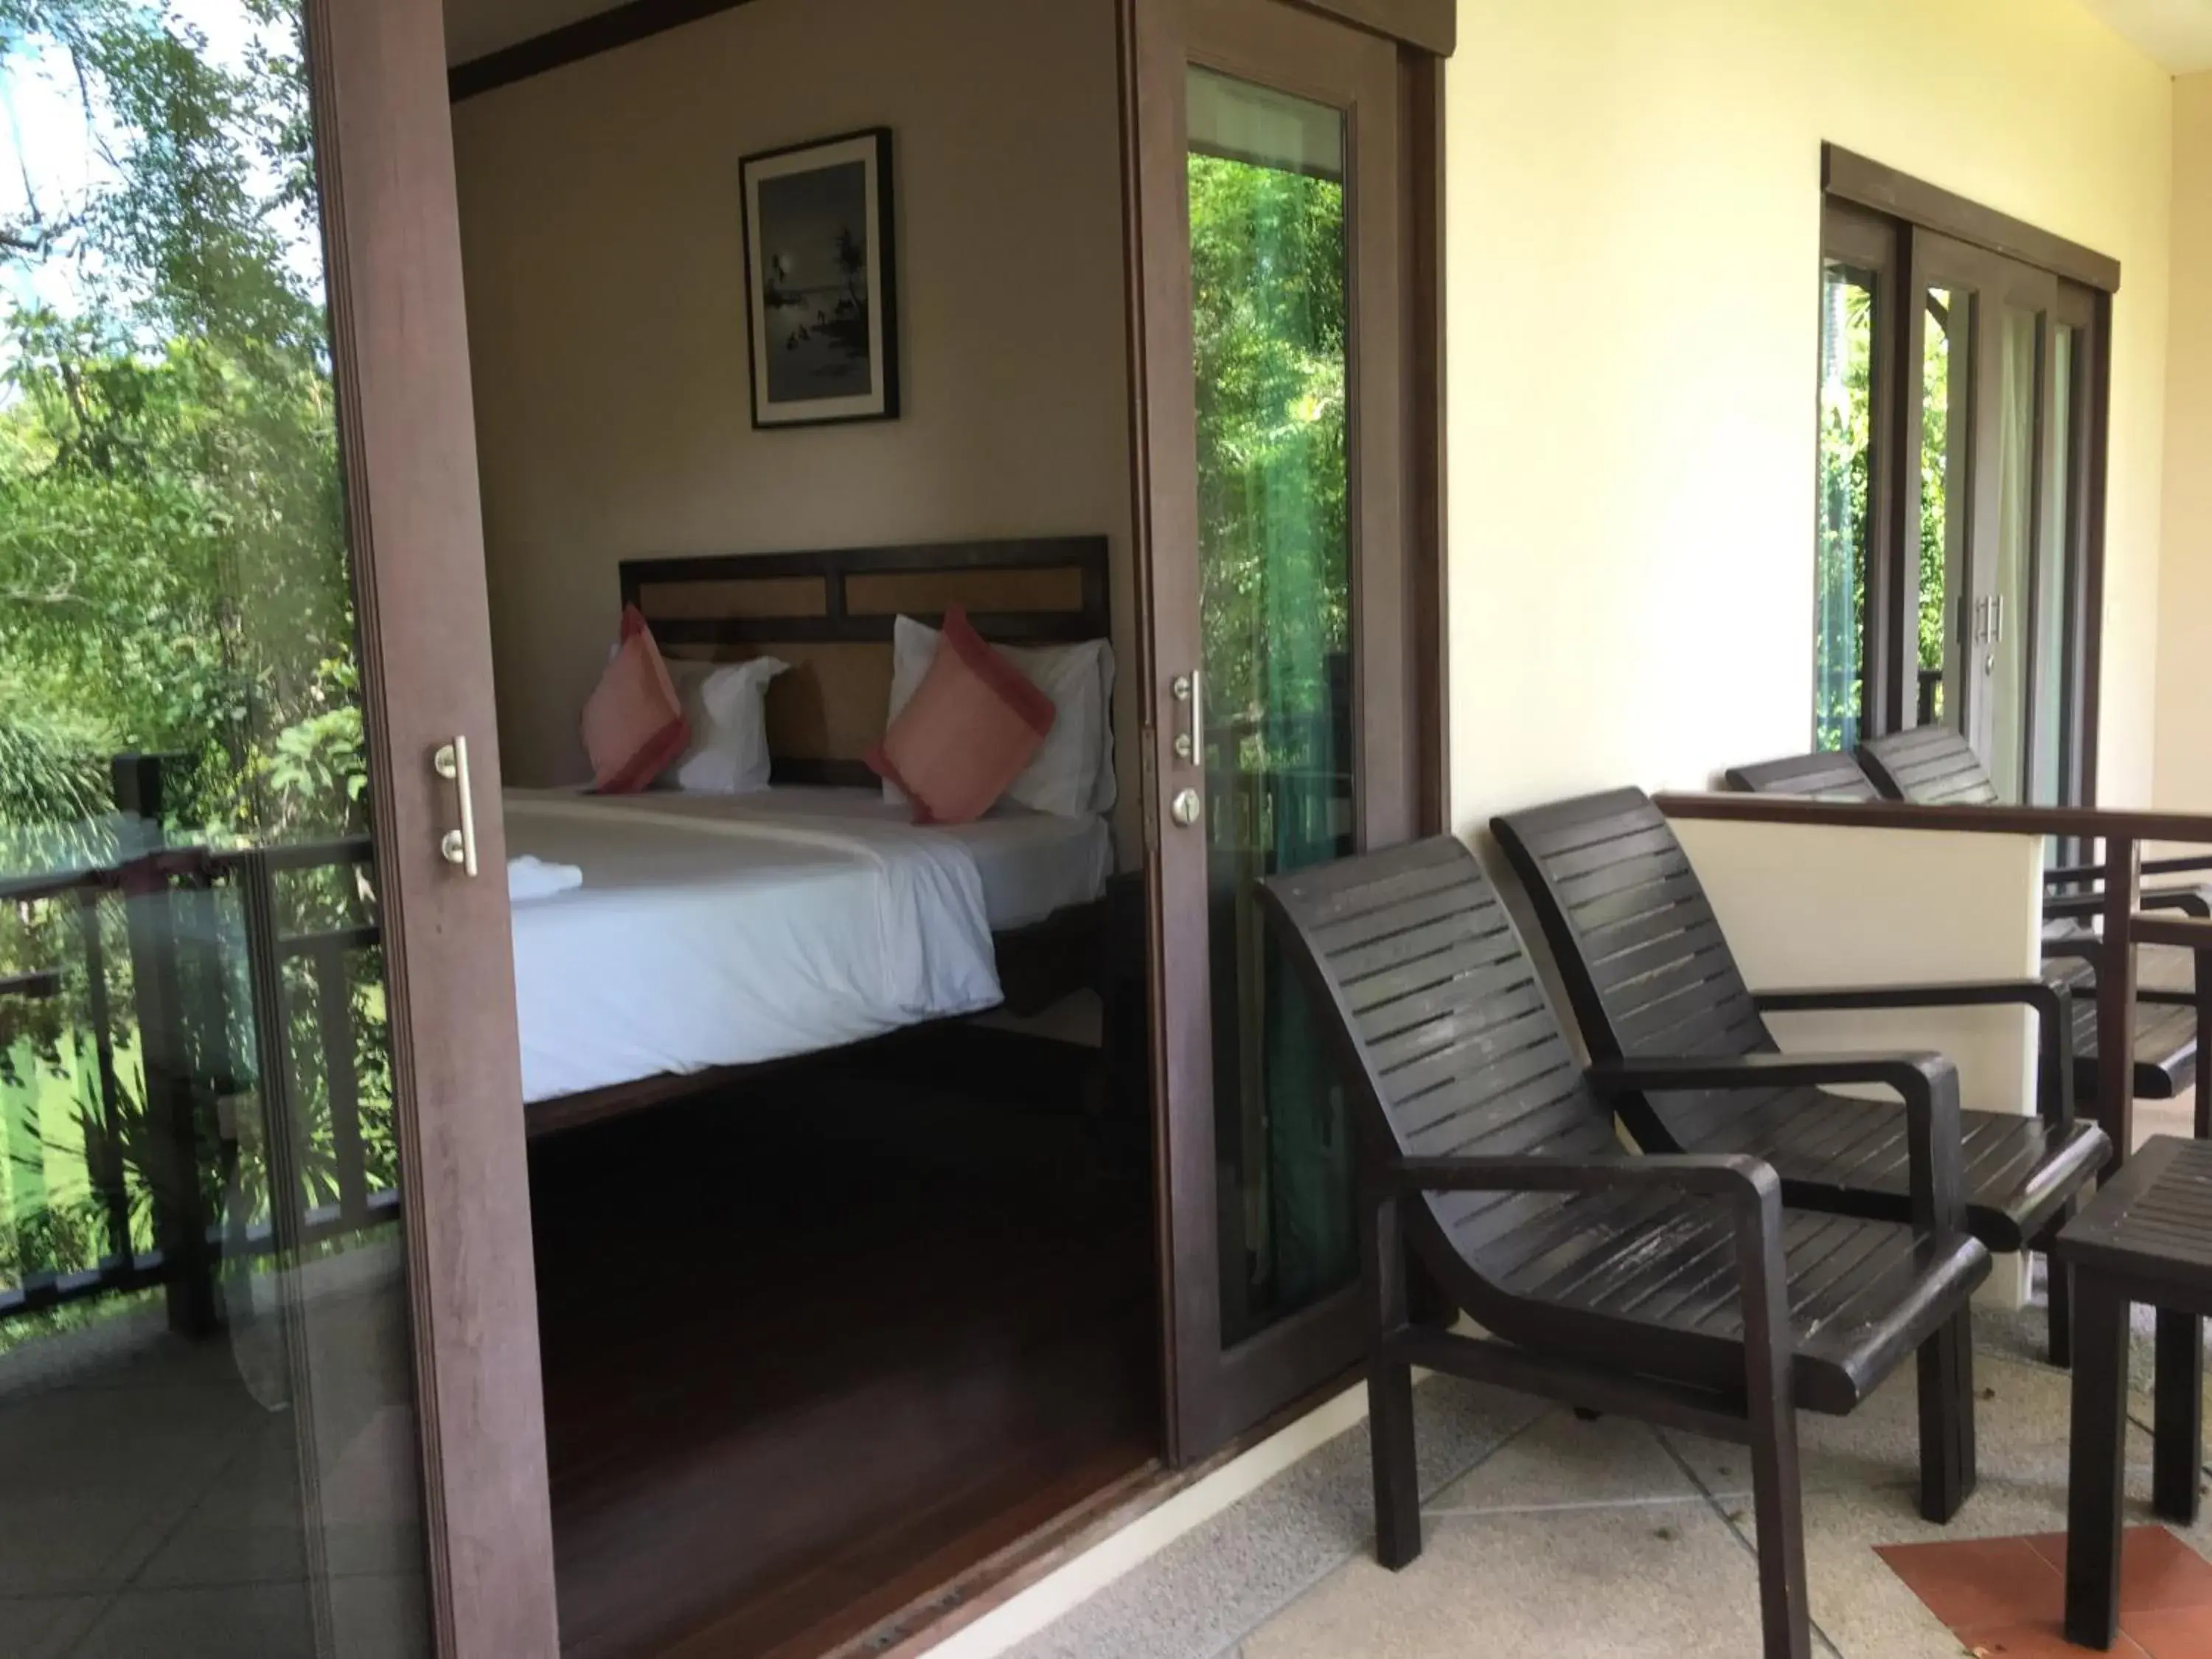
(459, 845)
(1185, 688)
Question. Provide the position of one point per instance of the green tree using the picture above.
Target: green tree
(172, 525)
(172, 556)
(1267, 280)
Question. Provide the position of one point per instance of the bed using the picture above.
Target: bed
(718, 933)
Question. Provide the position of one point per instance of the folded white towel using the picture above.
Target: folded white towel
(529, 878)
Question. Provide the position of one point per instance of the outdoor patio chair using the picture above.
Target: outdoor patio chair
(1650, 976)
(1935, 766)
(1674, 1289)
(2166, 1027)
(1829, 775)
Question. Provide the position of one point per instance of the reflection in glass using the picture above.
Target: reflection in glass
(2046, 779)
(206, 1430)
(2005, 641)
(1947, 382)
(1846, 457)
(1268, 262)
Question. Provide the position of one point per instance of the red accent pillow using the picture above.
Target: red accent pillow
(971, 726)
(634, 724)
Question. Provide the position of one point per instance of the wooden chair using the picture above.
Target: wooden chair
(2165, 1028)
(1650, 975)
(1671, 1288)
(1935, 766)
(1830, 775)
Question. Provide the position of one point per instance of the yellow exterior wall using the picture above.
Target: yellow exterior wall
(1632, 252)
(2185, 690)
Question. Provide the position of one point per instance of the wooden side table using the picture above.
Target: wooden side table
(2146, 1237)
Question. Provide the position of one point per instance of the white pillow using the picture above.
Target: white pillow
(1072, 774)
(726, 704)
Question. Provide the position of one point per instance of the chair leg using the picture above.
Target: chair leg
(1390, 1388)
(1947, 1419)
(2097, 1462)
(2059, 1285)
(1778, 1505)
(1397, 1481)
(2177, 1444)
(2058, 1288)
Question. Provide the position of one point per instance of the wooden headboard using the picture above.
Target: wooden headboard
(829, 614)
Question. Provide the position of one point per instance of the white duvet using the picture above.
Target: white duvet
(704, 937)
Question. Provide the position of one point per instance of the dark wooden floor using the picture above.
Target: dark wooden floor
(813, 1348)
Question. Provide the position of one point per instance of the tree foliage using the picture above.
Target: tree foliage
(173, 576)
(1267, 280)
(1841, 554)
(172, 522)
(1846, 455)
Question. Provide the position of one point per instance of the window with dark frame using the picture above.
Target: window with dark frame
(1960, 407)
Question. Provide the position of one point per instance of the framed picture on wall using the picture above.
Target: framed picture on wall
(822, 296)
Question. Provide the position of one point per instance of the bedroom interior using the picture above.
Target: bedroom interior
(845, 1293)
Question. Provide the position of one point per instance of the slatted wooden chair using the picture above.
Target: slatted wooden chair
(1831, 775)
(1935, 766)
(1650, 976)
(2165, 1025)
(1674, 1289)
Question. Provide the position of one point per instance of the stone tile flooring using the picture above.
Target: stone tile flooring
(151, 1499)
(1548, 1535)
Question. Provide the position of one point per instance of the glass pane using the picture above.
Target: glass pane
(1268, 260)
(2005, 647)
(1846, 462)
(206, 1442)
(1947, 402)
(2046, 738)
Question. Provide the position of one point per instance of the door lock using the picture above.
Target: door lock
(1186, 807)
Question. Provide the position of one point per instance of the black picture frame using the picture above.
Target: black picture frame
(821, 342)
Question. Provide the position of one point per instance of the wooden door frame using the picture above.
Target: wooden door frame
(406, 421)
(1209, 1393)
(2089, 282)
(1863, 242)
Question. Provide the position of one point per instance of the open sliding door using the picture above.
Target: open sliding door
(265, 1245)
(1286, 396)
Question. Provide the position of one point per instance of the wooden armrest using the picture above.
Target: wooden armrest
(2050, 999)
(2099, 823)
(2188, 933)
(1928, 1083)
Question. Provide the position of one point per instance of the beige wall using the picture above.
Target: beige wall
(1632, 252)
(2185, 689)
(601, 231)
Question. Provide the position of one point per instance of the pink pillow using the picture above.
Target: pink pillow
(634, 724)
(971, 726)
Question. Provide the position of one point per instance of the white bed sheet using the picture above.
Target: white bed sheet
(725, 931)
(1032, 863)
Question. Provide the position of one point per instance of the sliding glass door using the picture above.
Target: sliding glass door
(1954, 575)
(267, 1340)
(1282, 736)
(1992, 561)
